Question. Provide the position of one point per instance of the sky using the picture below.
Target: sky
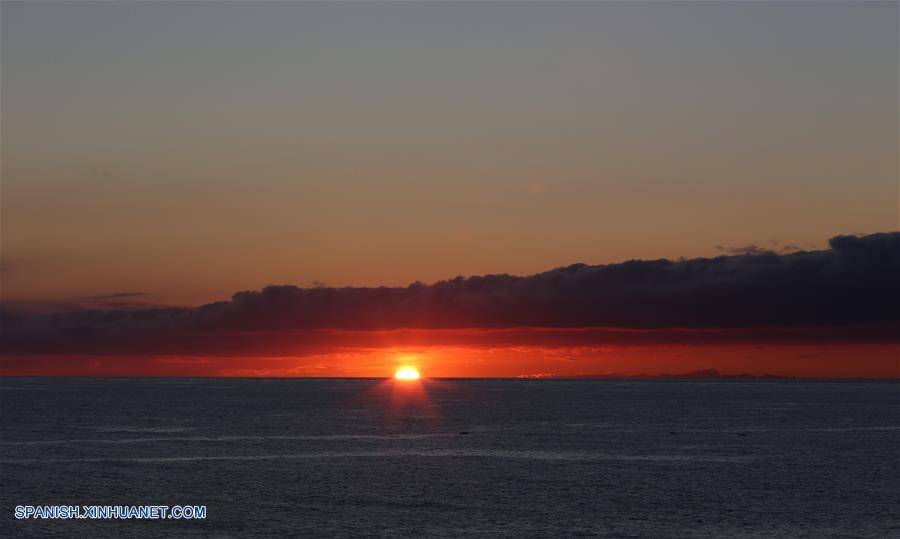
(163, 154)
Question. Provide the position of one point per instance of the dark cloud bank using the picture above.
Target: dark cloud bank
(854, 283)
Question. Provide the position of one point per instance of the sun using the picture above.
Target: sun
(407, 373)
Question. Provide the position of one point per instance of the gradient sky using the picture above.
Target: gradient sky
(189, 150)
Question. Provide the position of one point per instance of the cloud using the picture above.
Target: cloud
(119, 295)
(854, 283)
(750, 249)
(753, 249)
(65, 306)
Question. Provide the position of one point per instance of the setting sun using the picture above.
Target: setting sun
(407, 373)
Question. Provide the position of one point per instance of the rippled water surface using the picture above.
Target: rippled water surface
(456, 457)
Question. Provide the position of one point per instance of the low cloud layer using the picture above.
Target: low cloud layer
(854, 283)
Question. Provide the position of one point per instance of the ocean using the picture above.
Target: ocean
(451, 458)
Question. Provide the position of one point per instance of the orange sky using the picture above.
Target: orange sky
(154, 147)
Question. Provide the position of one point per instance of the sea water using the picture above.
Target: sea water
(332, 457)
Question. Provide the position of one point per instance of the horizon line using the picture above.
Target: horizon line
(581, 378)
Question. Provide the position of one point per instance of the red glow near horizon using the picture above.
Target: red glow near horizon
(474, 353)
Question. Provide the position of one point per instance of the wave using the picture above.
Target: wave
(446, 453)
(229, 439)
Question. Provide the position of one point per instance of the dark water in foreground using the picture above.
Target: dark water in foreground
(453, 457)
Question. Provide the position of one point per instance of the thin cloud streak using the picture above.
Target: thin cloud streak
(119, 295)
